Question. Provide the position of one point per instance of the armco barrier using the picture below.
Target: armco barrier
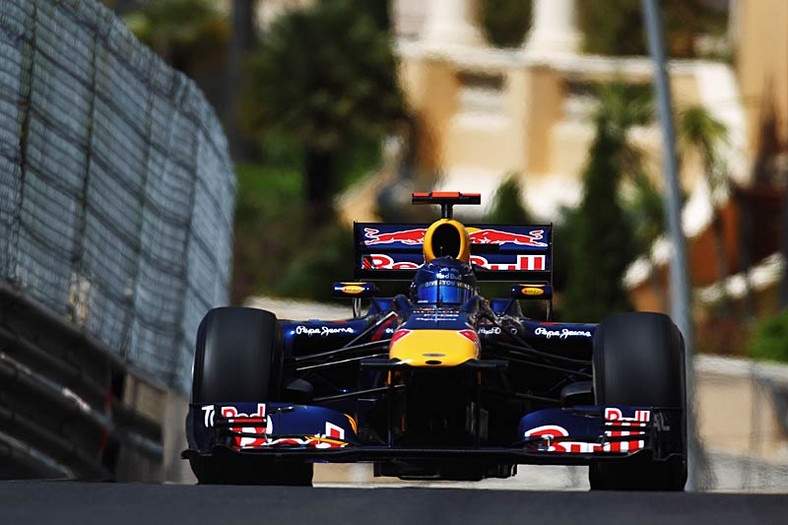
(116, 189)
(116, 202)
(61, 401)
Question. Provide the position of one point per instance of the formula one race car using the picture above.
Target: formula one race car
(440, 383)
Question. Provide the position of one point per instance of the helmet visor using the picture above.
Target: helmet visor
(444, 292)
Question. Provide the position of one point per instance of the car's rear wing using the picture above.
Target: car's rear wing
(499, 252)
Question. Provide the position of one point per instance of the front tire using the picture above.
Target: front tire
(639, 361)
(238, 358)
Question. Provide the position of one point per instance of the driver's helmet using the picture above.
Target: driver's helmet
(443, 281)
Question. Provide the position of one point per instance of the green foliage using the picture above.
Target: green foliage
(505, 22)
(281, 150)
(324, 76)
(769, 340)
(507, 205)
(507, 208)
(379, 11)
(358, 161)
(611, 30)
(562, 252)
(624, 106)
(647, 213)
(326, 256)
(284, 152)
(183, 32)
(616, 28)
(268, 227)
(602, 241)
(277, 251)
(698, 130)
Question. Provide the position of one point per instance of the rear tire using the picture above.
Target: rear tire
(239, 358)
(639, 360)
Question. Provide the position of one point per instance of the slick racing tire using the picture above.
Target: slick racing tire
(238, 470)
(639, 360)
(239, 358)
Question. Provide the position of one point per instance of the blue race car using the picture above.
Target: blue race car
(440, 383)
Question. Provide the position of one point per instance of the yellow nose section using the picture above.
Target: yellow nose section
(434, 348)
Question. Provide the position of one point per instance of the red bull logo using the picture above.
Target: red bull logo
(524, 263)
(414, 237)
(380, 261)
(333, 438)
(257, 424)
(533, 238)
(555, 437)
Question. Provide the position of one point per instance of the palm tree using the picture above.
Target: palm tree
(624, 106)
(327, 78)
(701, 133)
(628, 106)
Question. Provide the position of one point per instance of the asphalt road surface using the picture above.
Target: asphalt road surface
(42, 502)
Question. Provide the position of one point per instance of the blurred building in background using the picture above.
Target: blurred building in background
(488, 112)
(759, 35)
(485, 113)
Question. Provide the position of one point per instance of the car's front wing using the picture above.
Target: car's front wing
(578, 435)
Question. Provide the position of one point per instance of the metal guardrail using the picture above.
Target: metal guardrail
(116, 215)
(116, 187)
(61, 400)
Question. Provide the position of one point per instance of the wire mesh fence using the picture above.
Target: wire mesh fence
(116, 189)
